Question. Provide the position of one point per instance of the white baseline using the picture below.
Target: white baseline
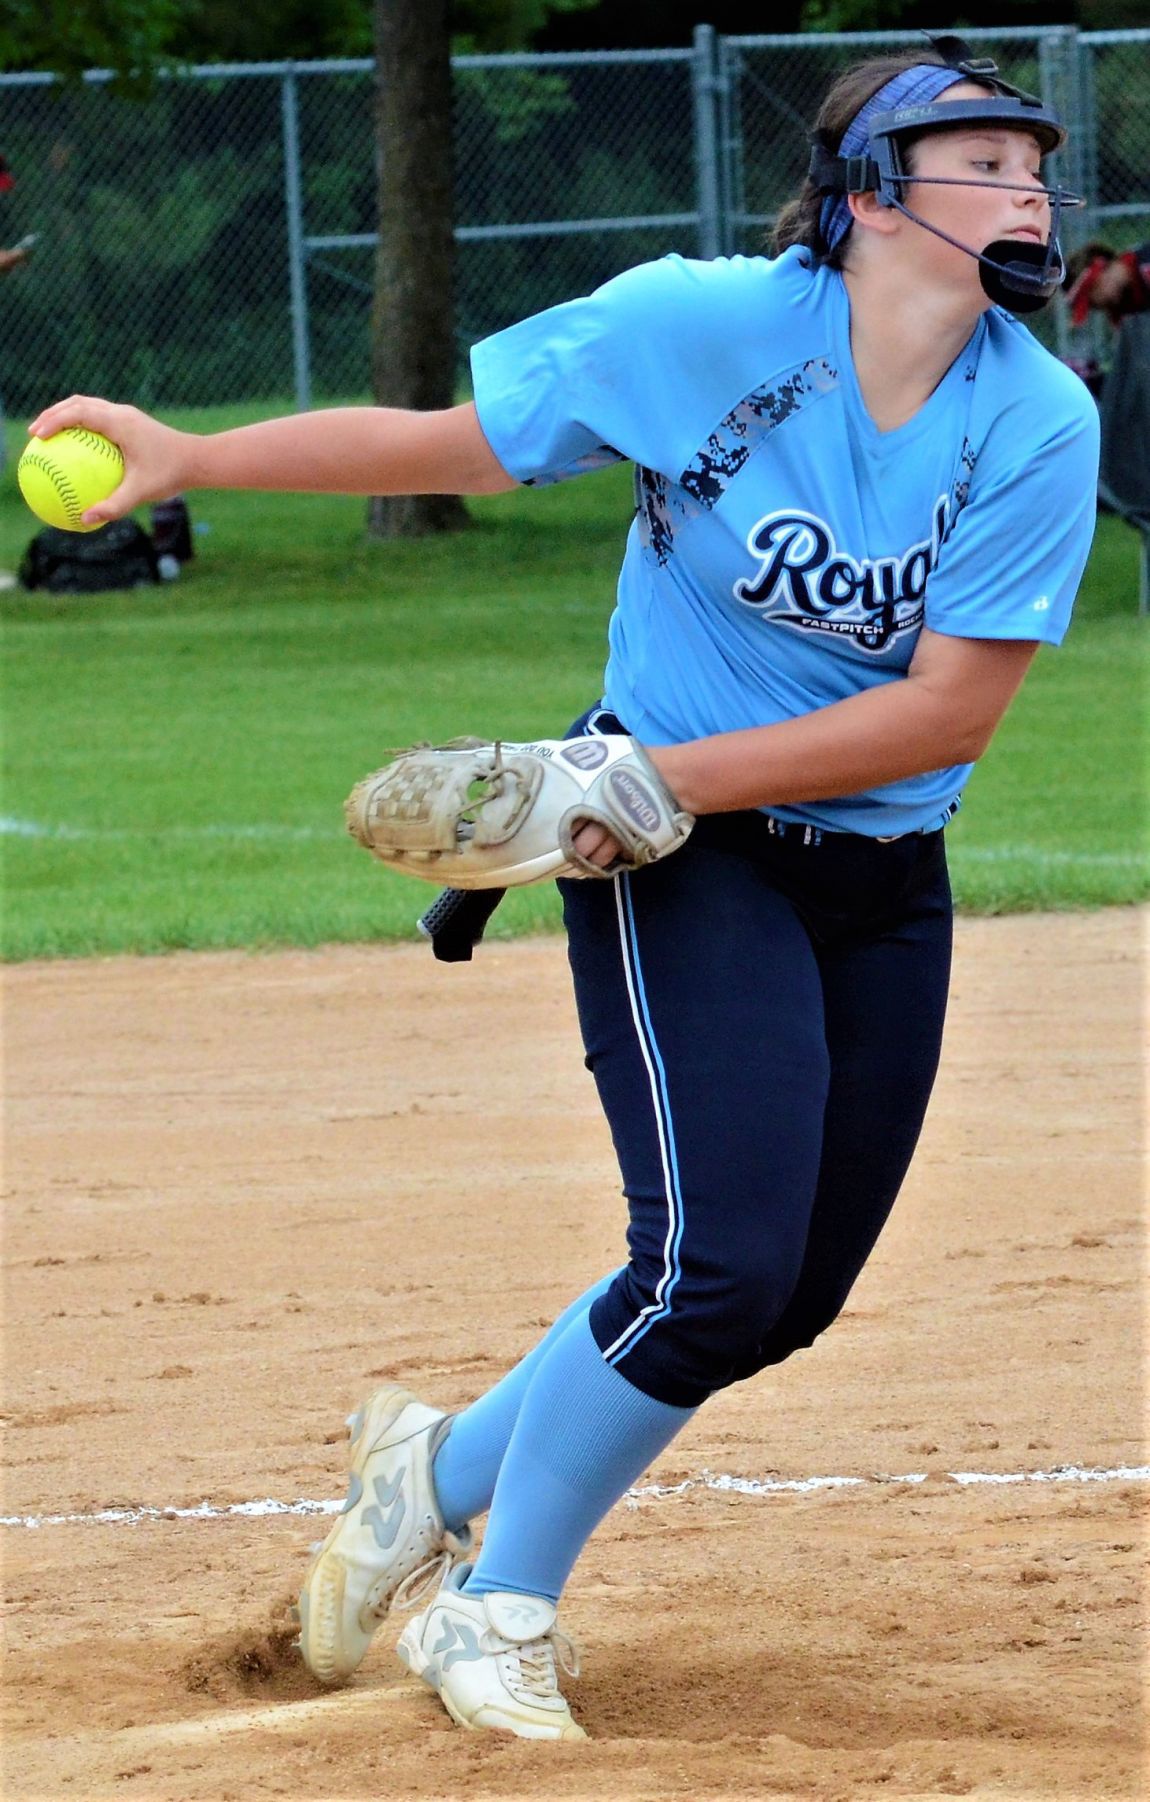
(750, 1486)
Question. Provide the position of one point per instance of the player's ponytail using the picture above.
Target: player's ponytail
(799, 221)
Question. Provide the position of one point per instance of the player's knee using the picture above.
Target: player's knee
(712, 1324)
(760, 1293)
(800, 1325)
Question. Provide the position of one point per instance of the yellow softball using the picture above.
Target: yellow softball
(62, 476)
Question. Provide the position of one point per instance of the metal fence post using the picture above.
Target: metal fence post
(1086, 136)
(297, 255)
(1096, 331)
(730, 113)
(704, 92)
(1061, 90)
(723, 129)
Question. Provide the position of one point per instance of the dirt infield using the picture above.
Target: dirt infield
(241, 1189)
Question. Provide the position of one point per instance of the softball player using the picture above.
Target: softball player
(864, 495)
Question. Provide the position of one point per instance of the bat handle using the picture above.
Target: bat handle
(456, 919)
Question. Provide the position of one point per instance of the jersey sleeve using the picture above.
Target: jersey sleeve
(1011, 564)
(592, 381)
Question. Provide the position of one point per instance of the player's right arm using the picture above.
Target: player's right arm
(351, 450)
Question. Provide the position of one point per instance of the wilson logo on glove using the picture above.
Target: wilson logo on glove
(633, 798)
(473, 814)
(585, 753)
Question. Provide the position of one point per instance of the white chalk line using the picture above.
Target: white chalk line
(1060, 1473)
(272, 1717)
(12, 826)
(1034, 854)
(754, 1486)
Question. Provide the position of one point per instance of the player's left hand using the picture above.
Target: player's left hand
(491, 815)
(596, 845)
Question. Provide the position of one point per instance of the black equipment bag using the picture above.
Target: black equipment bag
(118, 555)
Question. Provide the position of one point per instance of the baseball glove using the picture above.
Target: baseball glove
(479, 815)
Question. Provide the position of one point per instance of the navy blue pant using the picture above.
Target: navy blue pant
(762, 1012)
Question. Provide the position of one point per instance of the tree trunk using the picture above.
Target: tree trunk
(413, 315)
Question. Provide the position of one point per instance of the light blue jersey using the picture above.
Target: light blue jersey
(785, 553)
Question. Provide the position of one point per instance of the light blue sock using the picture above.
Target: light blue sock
(583, 1435)
(467, 1463)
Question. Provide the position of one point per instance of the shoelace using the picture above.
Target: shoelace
(537, 1659)
(420, 1582)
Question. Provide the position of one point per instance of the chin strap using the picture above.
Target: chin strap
(1017, 274)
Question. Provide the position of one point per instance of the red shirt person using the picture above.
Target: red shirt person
(9, 260)
(1108, 281)
(19, 252)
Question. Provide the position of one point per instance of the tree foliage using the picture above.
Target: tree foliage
(499, 25)
(68, 36)
(922, 15)
(134, 37)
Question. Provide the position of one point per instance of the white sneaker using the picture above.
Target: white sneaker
(388, 1543)
(492, 1660)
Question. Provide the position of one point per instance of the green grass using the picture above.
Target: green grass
(175, 759)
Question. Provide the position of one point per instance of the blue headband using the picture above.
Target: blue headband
(911, 87)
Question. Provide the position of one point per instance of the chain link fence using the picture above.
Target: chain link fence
(569, 169)
(214, 244)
